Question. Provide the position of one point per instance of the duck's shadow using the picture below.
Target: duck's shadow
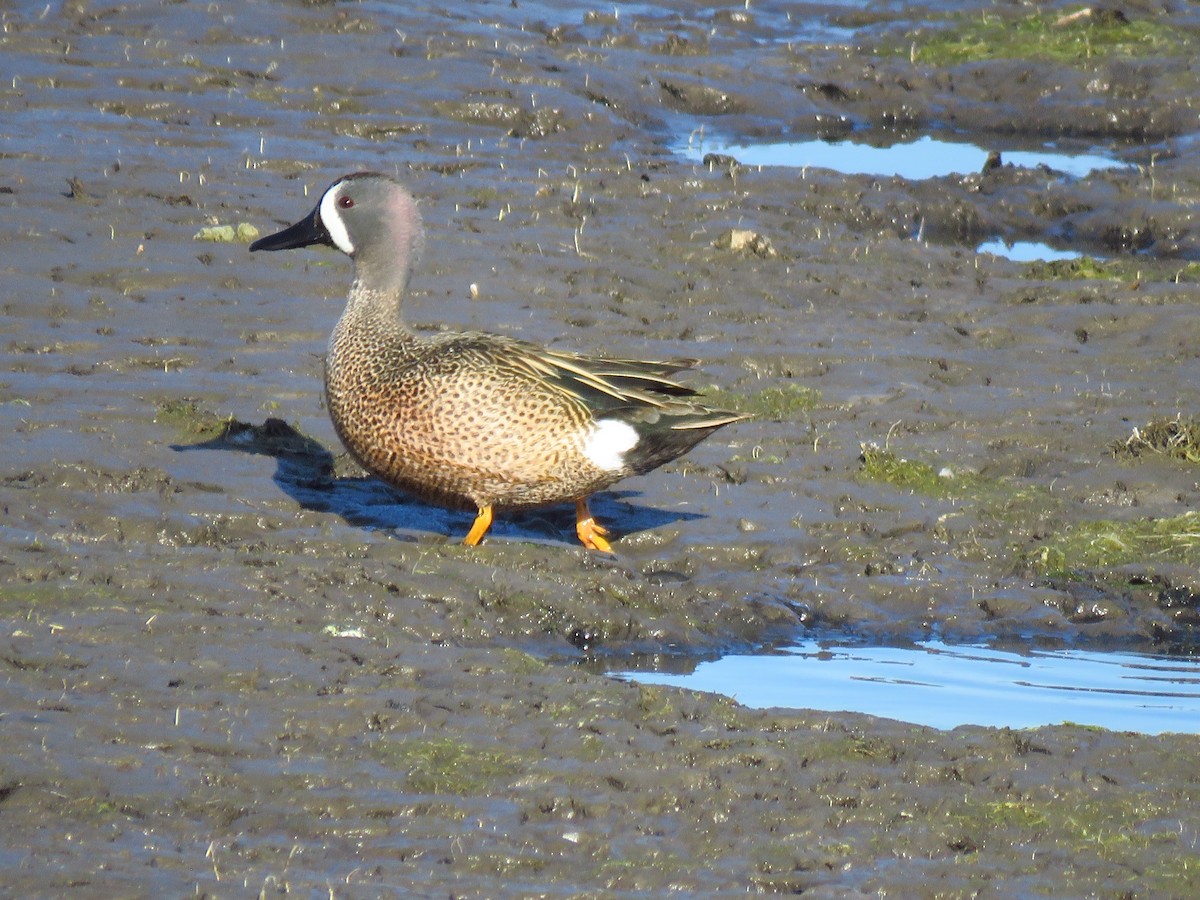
(305, 470)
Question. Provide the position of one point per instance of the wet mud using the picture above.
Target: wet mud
(233, 664)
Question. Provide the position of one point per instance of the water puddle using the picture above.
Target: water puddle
(946, 686)
(925, 157)
(1026, 251)
(917, 160)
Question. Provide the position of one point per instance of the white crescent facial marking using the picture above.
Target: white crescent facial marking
(333, 223)
(608, 443)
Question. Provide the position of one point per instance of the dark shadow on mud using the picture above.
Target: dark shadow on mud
(305, 470)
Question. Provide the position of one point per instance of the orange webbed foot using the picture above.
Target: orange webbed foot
(479, 528)
(591, 533)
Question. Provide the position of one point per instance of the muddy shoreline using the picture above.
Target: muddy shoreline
(233, 664)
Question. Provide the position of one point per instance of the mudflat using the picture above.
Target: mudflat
(233, 664)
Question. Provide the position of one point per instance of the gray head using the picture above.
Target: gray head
(372, 218)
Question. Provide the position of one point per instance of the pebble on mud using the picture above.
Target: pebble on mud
(744, 239)
(243, 232)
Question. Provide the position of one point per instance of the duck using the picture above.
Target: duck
(473, 420)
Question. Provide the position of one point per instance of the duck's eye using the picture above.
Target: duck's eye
(345, 202)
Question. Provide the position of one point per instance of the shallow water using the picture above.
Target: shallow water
(926, 157)
(1026, 251)
(944, 686)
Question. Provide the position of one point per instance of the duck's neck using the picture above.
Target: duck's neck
(369, 339)
(381, 270)
(365, 304)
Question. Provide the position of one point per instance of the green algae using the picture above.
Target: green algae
(521, 663)
(1177, 438)
(1002, 500)
(1088, 827)
(1136, 271)
(1081, 38)
(445, 765)
(777, 403)
(189, 418)
(1084, 268)
(879, 464)
(29, 592)
(1107, 544)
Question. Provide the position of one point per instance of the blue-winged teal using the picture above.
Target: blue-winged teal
(475, 420)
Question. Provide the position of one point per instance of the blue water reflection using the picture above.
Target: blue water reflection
(926, 157)
(1026, 251)
(945, 686)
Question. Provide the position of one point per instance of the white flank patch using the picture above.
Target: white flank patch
(332, 220)
(608, 443)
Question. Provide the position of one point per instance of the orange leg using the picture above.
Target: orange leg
(590, 532)
(483, 522)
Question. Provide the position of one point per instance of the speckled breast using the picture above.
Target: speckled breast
(458, 432)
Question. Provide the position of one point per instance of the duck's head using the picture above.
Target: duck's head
(372, 218)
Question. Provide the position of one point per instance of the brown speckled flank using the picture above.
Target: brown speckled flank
(474, 419)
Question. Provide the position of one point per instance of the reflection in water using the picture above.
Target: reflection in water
(945, 686)
(926, 157)
(1026, 251)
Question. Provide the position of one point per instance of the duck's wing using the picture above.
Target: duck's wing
(621, 380)
(629, 388)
